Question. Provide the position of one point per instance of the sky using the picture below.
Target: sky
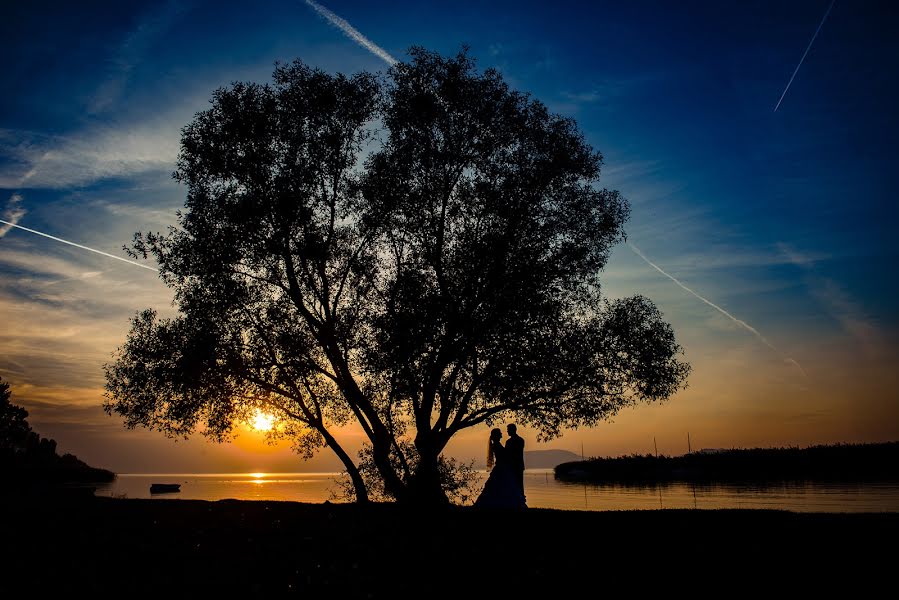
(765, 237)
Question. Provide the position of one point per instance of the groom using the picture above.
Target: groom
(515, 452)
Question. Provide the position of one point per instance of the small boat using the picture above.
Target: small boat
(165, 488)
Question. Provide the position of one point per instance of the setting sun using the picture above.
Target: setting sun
(263, 421)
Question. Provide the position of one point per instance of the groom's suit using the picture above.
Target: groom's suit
(515, 454)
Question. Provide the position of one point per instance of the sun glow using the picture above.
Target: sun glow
(263, 421)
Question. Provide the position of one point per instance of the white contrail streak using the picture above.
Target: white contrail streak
(739, 322)
(351, 32)
(809, 47)
(53, 237)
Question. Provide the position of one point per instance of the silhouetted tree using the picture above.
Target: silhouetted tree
(28, 458)
(418, 254)
(15, 432)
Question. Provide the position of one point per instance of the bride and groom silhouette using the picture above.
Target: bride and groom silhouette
(505, 485)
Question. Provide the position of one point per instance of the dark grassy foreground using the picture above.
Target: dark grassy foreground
(181, 548)
(839, 462)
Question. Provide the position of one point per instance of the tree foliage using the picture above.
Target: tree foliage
(15, 432)
(417, 254)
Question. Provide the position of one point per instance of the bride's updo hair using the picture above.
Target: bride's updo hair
(495, 434)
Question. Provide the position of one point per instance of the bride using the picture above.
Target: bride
(502, 487)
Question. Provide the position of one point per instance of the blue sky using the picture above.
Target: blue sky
(784, 219)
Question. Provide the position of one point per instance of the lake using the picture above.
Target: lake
(542, 490)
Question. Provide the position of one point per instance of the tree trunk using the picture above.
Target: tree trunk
(393, 484)
(381, 439)
(351, 468)
(426, 486)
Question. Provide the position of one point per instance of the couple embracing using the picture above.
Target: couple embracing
(505, 485)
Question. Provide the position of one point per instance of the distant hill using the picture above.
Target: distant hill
(839, 462)
(548, 459)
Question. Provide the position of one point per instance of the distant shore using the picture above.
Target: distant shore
(838, 462)
(254, 549)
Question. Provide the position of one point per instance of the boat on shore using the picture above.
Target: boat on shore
(165, 488)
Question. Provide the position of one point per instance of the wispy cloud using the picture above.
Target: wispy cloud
(63, 342)
(59, 277)
(63, 312)
(838, 303)
(739, 322)
(131, 53)
(722, 256)
(586, 97)
(608, 93)
(351, 32)
(136, 213)
(13, 213)
(57, 162)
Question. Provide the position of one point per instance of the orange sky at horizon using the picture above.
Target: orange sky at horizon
(725, 406)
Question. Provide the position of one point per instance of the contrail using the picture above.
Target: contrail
(809, 47)
(53, 237)
(739, 322)
(351, 32)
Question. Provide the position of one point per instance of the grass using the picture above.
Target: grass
(105, 547)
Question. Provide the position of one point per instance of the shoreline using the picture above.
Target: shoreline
(542, 490)
(453, 508)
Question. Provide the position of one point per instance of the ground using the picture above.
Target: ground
(121, 547)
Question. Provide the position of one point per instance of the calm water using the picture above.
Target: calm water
(542, 490)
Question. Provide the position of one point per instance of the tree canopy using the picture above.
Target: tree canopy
(416, 253)
(15, 432)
